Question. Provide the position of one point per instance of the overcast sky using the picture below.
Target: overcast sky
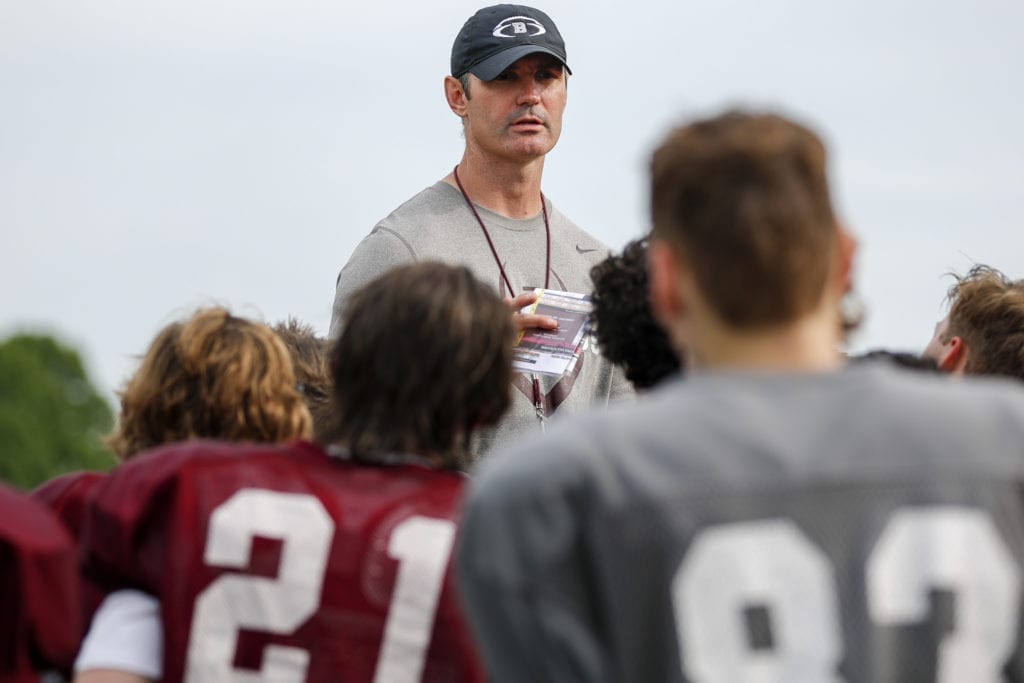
(157, 156)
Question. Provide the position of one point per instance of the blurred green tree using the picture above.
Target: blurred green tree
(51, 417)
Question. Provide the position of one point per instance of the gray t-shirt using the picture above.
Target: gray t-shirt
(863, 526)
(437, 225)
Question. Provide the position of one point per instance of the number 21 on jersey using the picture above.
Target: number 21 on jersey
(280, 605)
(774, 564)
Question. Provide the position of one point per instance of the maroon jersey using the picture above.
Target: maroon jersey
(286, 561)
(39, 624)
(66, 496)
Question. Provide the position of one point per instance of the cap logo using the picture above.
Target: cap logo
(518, 26)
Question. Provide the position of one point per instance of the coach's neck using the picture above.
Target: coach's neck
(507, 187)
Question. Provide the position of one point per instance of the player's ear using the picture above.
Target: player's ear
(955, 359)
(846, 252)
(455, 96)
(665, 276)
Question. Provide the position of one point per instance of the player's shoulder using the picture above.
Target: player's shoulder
(70, 485)
(177, 464)
(67, 496)
(14, 503)
(859, 393)
(26, 522)
(944, 401)
(868, 400)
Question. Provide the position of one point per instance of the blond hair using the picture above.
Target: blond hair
(212, 376)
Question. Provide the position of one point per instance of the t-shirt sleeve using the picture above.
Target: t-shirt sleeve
(125, 635)
(125, 538)
(527, 595)
(379, 252)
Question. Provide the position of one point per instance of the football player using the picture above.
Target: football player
(214, 375)
(780, 516)
(289, 563)
(983, 334)
(197, 367)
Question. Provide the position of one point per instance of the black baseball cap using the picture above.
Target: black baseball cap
(495, 37)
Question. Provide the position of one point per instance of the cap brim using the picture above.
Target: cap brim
(490, 68)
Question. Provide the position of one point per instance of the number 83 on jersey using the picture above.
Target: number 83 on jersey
(769, 573)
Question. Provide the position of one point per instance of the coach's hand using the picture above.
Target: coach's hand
(528, 321)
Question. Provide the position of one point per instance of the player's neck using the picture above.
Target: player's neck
(807, 345)
(506, 188)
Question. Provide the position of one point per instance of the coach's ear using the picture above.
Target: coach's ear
(668, 301)
(455, 96)
(954, 361)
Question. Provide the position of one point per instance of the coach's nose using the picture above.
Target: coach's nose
(530, 94)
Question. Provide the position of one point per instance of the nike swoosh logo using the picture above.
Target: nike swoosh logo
(585, 251)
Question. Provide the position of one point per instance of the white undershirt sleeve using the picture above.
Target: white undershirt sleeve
(125, 635)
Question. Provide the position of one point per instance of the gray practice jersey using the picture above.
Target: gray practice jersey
(864, 526)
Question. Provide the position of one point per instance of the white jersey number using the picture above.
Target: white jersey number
(282, 604)
(954, 549)
(278, 605)
(422, 547)
(773, 566)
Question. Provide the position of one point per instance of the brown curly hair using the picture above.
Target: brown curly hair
(212, 376)
(313, 377)
(423, 360)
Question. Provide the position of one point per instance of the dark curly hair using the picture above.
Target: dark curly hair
(624, 325)
(423, 360)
